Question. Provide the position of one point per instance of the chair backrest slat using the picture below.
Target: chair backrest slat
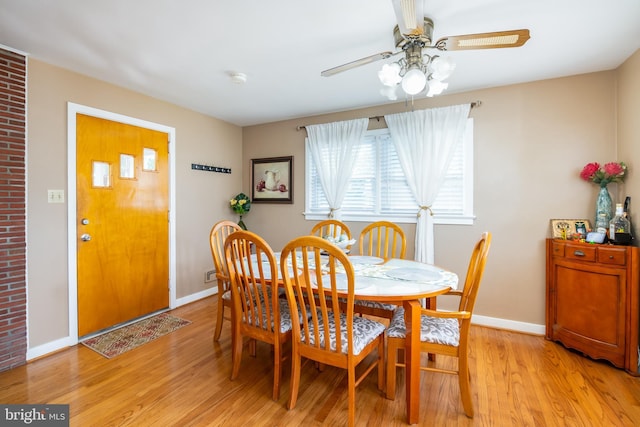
(219, 233)
(475, 271)
(323, 288)
(383, 239)
(252, 268)
(330, 227)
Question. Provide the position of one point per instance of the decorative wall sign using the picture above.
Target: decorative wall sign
(566, 228)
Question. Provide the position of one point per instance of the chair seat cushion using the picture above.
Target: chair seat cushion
(375, 304)
(364, 331)
(285, 317)
(432, 329)
(226, 295)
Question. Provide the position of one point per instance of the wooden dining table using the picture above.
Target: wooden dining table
(404, 282)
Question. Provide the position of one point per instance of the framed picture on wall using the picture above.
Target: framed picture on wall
(272, 180)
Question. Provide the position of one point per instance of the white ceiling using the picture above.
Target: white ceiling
(182, 51)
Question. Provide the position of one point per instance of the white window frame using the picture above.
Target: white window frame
(466, 218)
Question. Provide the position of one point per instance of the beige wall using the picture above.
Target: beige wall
(628, 127)
(201, 197)
(531, 141)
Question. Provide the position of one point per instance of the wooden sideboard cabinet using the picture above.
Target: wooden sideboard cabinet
(593, 293)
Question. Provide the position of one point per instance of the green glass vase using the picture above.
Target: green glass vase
(242, 224)
(603, 209)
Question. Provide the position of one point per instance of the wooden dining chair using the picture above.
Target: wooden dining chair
(219, 233)
(331, 227)
(331, 335)
(444, 333)
(383, 239)
(257, 313)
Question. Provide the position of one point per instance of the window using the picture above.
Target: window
(101, 174)
(378, 188)
(127, 166)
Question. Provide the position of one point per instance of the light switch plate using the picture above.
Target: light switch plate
(55, 196)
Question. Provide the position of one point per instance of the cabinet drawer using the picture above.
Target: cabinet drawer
(558, 249)
(612, 255)
(581, 252)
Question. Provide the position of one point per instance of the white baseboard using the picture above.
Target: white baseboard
(49, 347)
(198, 295)
(511, 325)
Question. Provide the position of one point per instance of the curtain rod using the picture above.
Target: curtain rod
(473, 105)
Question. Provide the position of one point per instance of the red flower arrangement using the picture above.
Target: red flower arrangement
(603, 175)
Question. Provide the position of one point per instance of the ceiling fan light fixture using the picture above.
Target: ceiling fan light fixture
(389, 92)
(413, 37)
(414, 73)
(389, 75)
(414, 81)
(436, 87)
(441, 67)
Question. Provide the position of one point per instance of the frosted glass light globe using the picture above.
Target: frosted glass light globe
(436, 87)
(441, 68)
(414, 81)
(389, 75)
(389, 92)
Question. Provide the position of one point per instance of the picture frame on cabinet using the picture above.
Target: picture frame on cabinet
(566, 228)
(272, 180)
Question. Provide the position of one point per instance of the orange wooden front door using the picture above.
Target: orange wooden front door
(122, 221)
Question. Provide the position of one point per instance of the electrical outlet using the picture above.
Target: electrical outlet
(209, 276)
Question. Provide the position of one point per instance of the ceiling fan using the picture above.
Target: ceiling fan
(413, 35)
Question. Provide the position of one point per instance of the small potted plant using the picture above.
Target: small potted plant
(241, 204)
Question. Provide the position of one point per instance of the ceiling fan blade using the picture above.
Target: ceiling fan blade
(357, 63)
(495, 40)
(410, 16)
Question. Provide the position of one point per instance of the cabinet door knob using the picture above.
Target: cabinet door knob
(578, 253)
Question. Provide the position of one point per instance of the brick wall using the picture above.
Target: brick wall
(13, 295)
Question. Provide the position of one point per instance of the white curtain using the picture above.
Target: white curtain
(425, 141)
(334, 149)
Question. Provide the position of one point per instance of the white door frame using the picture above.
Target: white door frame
(72, 110)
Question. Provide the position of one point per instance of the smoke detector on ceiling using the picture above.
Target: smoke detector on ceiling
(238, 78)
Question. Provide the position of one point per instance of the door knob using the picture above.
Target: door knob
(84, 221)
(85, 237)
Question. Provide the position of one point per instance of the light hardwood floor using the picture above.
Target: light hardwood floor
(182, 379)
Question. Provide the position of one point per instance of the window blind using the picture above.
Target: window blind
(378, 187)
